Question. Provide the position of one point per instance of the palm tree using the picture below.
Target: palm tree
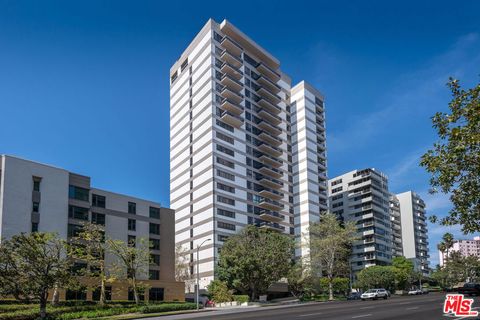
(448, 241)
(442, 247)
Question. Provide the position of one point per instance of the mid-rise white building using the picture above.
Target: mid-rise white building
(35, 197)
(396, 222)
(414, 230)
(362, 196)
(466, 247)
(245, 148)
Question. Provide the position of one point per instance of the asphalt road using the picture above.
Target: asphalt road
(422, 307)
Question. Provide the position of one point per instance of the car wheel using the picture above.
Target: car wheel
(385, 297)
(363, 299)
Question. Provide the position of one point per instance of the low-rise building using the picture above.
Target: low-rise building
(38, 197)
(466, 247)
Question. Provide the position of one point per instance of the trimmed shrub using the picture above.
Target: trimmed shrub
(154, 308)
(241, 298)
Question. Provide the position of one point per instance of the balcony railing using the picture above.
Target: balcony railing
(274, 162)
(270, 117)
(273, 87)
(269, 182)
(231, 70)
(272, 172)
(271, 216)
(231, 83)
(232, 46)
(264, 103)
(231, 59)
(267, 137)
(272, 194)
(231, 95)
(268, 72)
(231, 106)
(231, 119)
(269, 128)
(271, 225)
(266, 148)
(271, 97)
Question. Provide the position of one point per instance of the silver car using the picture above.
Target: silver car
(374, 294)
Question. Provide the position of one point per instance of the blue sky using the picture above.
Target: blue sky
(84, 84)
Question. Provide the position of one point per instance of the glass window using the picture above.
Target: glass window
(132, 224)
(36, 184)
(36, 206)
(156, 294)
(78, 193)
(34, 227)
(154, 275)
(155, 244)
(98, 201)
(154, 228)
(154, 213)
(132, 208)
(98, 218)
(155, 259)
(79, 213)
(132, 241)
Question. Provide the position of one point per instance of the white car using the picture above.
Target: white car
(414, 292)
(374, 294)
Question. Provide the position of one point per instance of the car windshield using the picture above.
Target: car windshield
(469, 285)
(371, 291)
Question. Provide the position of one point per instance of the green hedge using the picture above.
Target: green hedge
(167, 307)
(241, 298)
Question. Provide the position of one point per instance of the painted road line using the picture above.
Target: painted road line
(310, 314)
(412, 308)
(362, 316)
(367, 307)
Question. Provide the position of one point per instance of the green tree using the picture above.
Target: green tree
(454, 161)
(448, 243)
(377, 277)
(300, 280)
(330, 247)
(403, 269)
(90, 247)
(254, 259)
(131, 260)
(219, 291)
(31, 265)
(181, 264)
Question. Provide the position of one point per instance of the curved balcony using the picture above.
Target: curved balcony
(268, 72)
(232, 46)
(269, 84)
(232, 107)
(231, 95)
(269, 128)
(272, 194)
(266, 137)
(270, 117)
(231, 71)
(268, 106)
(231, 83)
(271, 97)
(231, 59)
(231, 119)
(270, 161)
(271, 216)
(264, 147)
(274, 173)
(271, 226)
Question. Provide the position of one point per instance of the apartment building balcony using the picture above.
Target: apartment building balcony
(231, 71)
(268, 149)
(268, 72)
(231, 59)
(231, 83)
(270, 182)
(270, 117)
(264, 103)
(269, 84)
(264, 125)
(276, 163)
(269, 204)
(231, 119)
(271, 97)
(271, 226)
(233, 96)
(232, 46)
(271, 216)
(272, 194)
(266, 137)
(272, 172)
(232, 107)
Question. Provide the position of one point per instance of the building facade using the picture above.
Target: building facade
(232, 160)
(396, 222)
(466, 247)
(362, 196)
(414, 230)
(37, 197)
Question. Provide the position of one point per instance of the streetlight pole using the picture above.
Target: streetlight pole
(198, 273)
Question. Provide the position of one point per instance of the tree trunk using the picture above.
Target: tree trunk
(330, 289)
(102, 290)
(56, 296)
(135, 291)
(43, 306)
(253, 294)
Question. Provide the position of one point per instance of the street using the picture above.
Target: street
(423, 307)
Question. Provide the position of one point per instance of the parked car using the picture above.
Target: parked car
(354, 296)
(425, 291)
(414, 292)
(374, 294)
(470, 289)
